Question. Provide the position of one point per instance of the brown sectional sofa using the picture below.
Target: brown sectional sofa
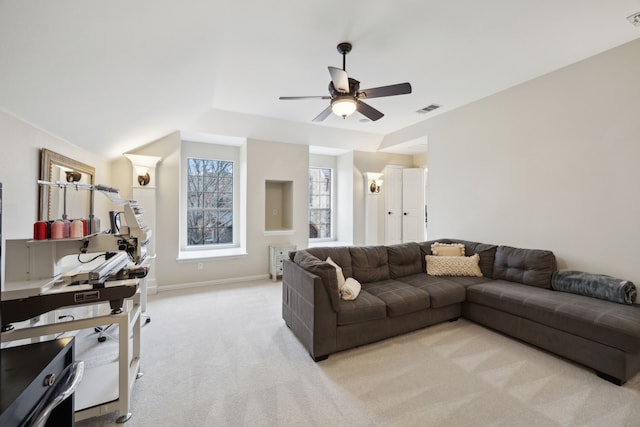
(513, 296)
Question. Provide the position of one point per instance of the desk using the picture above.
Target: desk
(128, 368)
(24, 369)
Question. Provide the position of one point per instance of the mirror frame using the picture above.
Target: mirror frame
(49, 159)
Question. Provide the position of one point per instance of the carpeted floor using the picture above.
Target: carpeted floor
(223, 356)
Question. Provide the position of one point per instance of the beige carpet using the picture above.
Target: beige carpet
(224, 357)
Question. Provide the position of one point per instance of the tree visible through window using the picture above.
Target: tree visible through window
(209, 202)
(319, 203)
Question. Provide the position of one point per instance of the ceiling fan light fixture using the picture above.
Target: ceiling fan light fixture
(343, 106)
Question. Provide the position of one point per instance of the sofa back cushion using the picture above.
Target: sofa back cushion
(322, 269)
(404, 260)
(486, 252)
(533, 267)
(339, 254)
(369, 263)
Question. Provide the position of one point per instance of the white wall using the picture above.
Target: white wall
(20, 169)
(265, 160)
(344, 217)
(371, 162)
(553, 163)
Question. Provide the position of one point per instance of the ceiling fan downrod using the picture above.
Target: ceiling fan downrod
(344, 48)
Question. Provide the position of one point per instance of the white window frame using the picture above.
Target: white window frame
(332, 208)
(226, 149)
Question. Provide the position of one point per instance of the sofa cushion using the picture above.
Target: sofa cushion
(442, 290)
(447, 249)
(322, 269)
(533, 267)
(400, 298)
(339, 254)
(453, 265)
(362, 309)
(468, 280)
(404, 259)
(487, 253)
(609, 323)
(369, 263)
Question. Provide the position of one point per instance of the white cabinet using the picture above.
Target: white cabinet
(277, 255)
(404, 190)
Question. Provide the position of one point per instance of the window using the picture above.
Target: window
(209, 202)
(212, 199)
(320, 183)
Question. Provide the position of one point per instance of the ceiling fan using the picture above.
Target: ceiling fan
(346, 96)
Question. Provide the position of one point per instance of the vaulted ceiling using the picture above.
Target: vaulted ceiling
(110, 76)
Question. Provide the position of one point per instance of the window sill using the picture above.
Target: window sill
(286, 232)
(188, 256)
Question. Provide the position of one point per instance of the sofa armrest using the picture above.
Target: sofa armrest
(307, 310)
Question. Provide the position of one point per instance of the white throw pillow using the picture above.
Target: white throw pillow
(453, 265)
(339, 273)
(351, 289)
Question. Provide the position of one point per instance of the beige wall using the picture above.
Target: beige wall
(20, 169)
(371, 162)
(265, 161)
(553, 163)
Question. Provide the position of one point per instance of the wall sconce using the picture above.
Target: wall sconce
(375, 186)
(143, 175)
(143, 168)
(73, 176)
(372, 182)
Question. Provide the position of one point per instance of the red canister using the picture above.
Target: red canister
(40, 230)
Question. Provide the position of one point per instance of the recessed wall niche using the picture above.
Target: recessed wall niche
(278, 212)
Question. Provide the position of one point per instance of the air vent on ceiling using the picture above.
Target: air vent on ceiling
(634, 19)
(428, 109)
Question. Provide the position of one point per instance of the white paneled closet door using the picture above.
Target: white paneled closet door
(393, 205)
(413, 200)
(404, 190)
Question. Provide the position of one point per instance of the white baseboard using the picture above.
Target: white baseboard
(152, 287)
(208, 283)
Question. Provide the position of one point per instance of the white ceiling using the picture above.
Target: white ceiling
(113, 75)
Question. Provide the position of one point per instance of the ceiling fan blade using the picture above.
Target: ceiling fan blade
(303, 97)
(325, 113)
(368, 111)
(377, 92)
(340, 79)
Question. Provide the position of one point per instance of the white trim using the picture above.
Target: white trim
(152, 286)
(212, 254)
(208, 283)
(280, 232)
(224, 152)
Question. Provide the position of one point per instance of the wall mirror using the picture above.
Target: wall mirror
(55, 167)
